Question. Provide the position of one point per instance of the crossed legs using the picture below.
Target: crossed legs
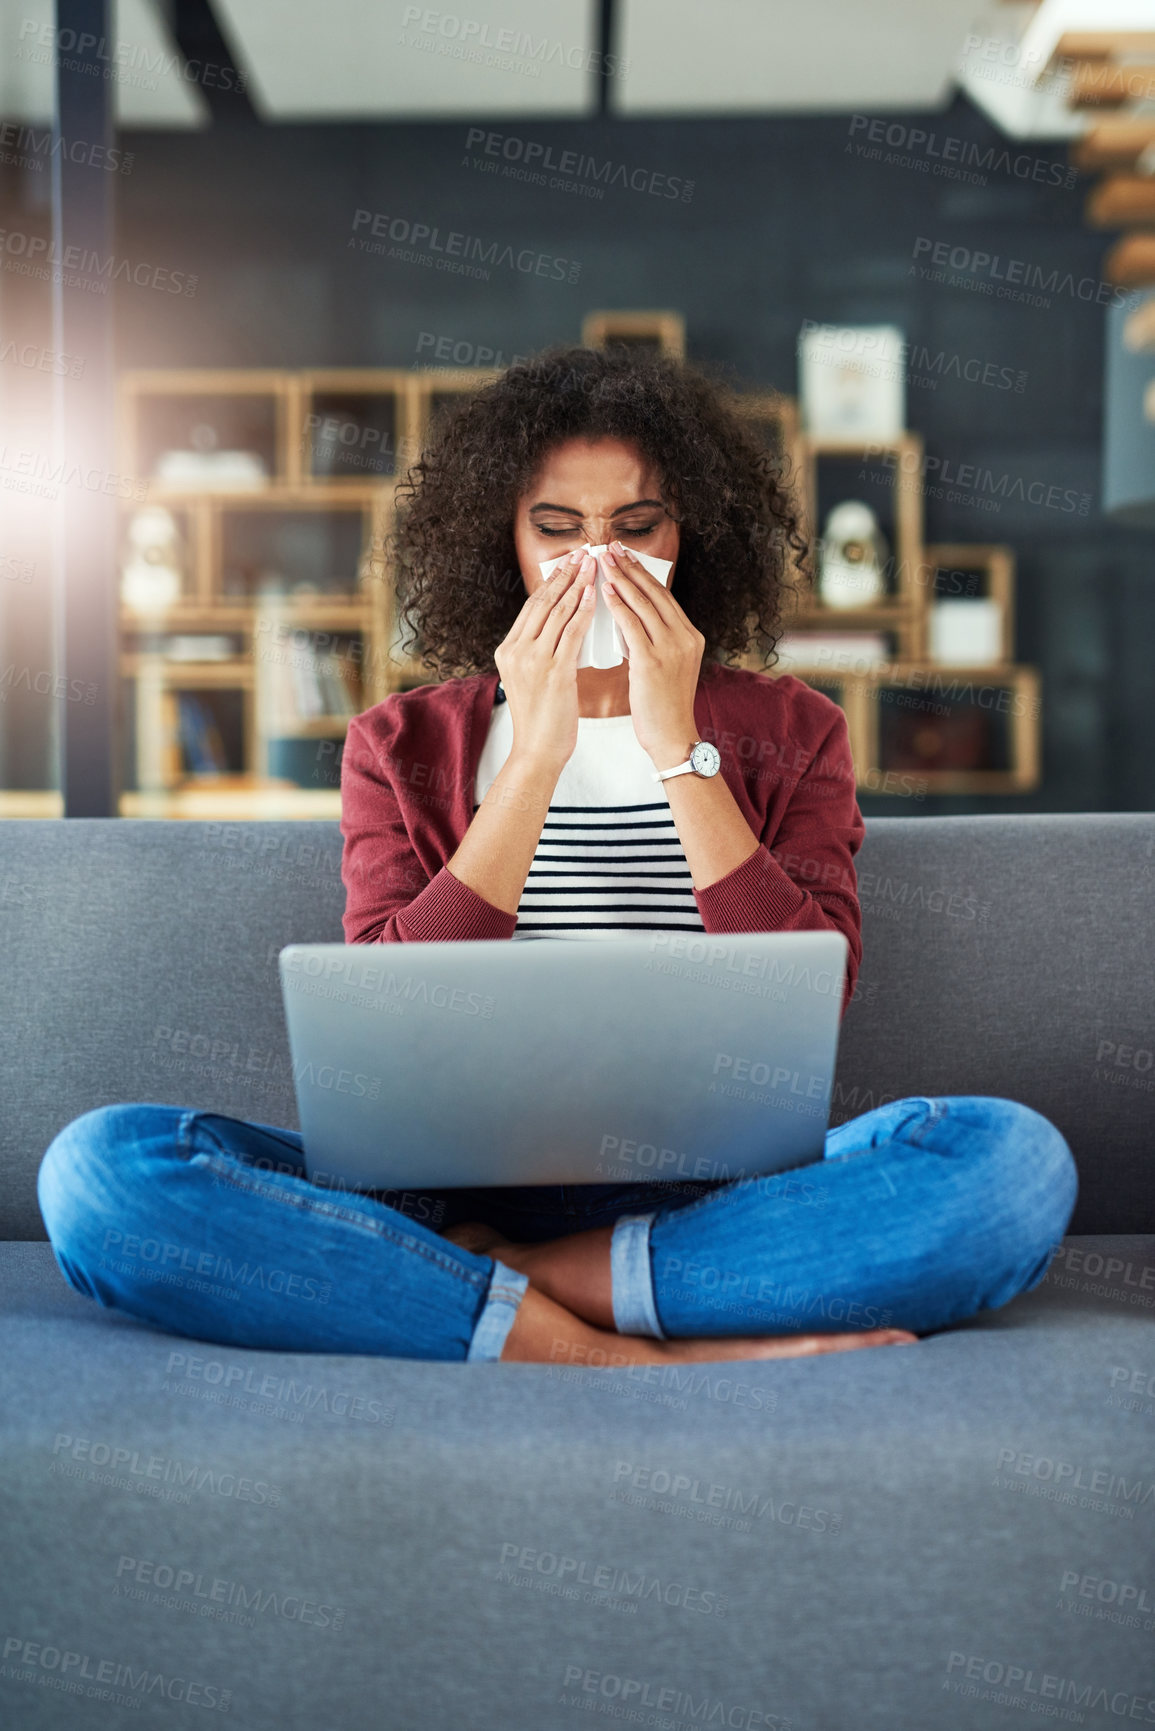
(922, 1213)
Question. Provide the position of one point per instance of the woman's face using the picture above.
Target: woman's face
(595, 490)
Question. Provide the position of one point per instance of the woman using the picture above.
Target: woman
(527, 802)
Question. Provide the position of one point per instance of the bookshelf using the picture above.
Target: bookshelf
(279, 628)
(238, 685)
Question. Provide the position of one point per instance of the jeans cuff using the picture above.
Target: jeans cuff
(631, 1282)
(506, 1290)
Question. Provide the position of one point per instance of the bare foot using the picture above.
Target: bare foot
(567, 1314)
(544, 1332)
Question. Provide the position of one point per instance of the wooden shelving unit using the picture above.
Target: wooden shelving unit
(663, 331)
(335, 444)
(989, 712)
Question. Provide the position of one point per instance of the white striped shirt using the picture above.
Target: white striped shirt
(610, 861)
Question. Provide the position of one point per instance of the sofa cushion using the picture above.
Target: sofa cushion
(1002, 955)
(871, 1538)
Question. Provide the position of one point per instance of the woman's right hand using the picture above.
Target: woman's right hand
(537, 661)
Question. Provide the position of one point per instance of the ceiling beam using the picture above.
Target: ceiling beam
(200, 40)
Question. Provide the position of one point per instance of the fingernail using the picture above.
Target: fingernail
(607, 587)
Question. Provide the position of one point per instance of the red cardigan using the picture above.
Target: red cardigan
(408, 787)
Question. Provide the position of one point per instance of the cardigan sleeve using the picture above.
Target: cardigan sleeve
(389, 896)
(801, 877)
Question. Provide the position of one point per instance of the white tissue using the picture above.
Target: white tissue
(602, 645)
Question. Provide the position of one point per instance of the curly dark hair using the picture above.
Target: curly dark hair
(458, 581)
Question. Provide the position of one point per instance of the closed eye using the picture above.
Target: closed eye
(619, 535)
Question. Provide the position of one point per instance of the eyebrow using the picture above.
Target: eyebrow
(569, 510)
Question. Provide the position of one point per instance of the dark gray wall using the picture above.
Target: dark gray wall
(787, 221)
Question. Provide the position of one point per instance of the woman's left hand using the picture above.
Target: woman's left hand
(664, 657)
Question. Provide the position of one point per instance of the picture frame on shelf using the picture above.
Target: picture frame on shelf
(970, 613)
(851, 381)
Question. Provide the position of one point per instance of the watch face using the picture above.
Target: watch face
(706, 758)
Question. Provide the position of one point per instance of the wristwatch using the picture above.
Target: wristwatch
(704, 760)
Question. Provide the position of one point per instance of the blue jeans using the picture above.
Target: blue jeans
(922, 1212)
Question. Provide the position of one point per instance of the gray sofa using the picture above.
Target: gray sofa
(957, 1534)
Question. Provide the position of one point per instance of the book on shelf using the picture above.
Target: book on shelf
(301, 681)
(200, 738)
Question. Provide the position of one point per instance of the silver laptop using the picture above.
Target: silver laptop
(666, 1056)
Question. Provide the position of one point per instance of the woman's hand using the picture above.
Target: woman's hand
(664, 651)
(537, 661)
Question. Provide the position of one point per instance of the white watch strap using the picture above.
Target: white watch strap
(682, 769)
